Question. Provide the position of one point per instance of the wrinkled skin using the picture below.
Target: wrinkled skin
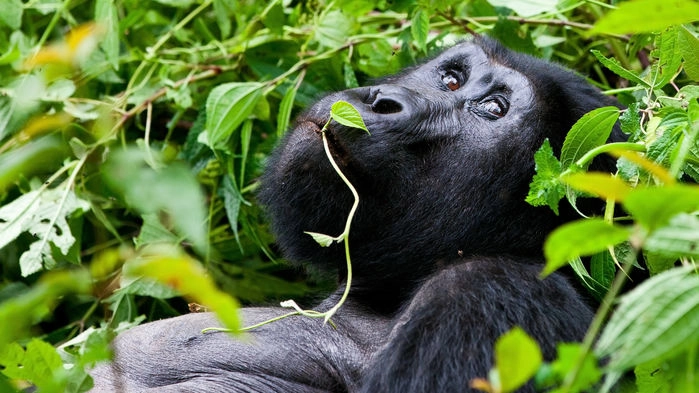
(446, 253)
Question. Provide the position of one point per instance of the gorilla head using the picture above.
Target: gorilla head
(443, 174)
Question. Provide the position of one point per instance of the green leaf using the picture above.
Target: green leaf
(227, 106)
(344, 113)
(44, 215)
(656, 320)
(172, 189)
(11, 14)
(599, 184)
(285, 107)
(689, 47)
(187, 276)
(36, 364)
(580, 238)
(322, 239)
(588, 132)
(546, 187)
(333, 29)
(568, 359)
(419, 28)
(646, 16)
(108, 20)
(653, 207)
(680, 238)
(527, 7)
(517, 358)
(669, 57)
(613, 65)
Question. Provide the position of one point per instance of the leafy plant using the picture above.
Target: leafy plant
(131, 139)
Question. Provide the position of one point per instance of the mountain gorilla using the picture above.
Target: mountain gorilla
(446, 253)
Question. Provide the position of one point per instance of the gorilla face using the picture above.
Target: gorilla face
(443, 174)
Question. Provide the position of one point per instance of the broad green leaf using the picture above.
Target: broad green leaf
(44, 215)
(108, 20)
(274, 18)
(656, 320)
(43, 153)
(679, 238)
(613, 65)
(333, 29)
(588, 132)
(527, 7)
(419, 28)
(187, 276)
(653, 207)
(546, 187)
(344, 113)
(172, 189)
(689, 47)
(646, 16)
(669, 57)
(517, 357)
(322, 239)
(11, 14)
(599, 184)
(285, 107)
(36, 364)
(227, 106)
(603, 269)
(580, 238)
(569, 355)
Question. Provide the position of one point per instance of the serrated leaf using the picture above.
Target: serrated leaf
(599, 184)
(588, 132)
(669, 57)
(108, 21)
(689, 47)
(653, 207)
(344, 113)
(546, 188)
(580, 238)
(656, 320)
(322, 239)
(517, 358)
(679, 238)
(646, 16)
(613, 65)
(227, 106)
(419, 28)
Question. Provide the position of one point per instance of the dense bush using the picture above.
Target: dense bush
(132, 135)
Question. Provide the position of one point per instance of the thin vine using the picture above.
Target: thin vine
(345, 114)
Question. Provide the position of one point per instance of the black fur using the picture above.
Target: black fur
(446, 253)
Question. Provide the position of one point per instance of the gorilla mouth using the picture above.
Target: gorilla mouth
(338, 151)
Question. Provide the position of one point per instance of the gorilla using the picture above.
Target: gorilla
(446, 253)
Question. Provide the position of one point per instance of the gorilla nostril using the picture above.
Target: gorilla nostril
(386, 106)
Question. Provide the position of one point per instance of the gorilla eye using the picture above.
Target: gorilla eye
(493, 108)
(451, 80)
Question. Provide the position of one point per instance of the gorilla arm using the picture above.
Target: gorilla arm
(295, 354)
(445, 337)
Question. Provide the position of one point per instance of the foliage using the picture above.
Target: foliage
(131, 138)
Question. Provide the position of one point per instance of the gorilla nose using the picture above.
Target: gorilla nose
(386, 100)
